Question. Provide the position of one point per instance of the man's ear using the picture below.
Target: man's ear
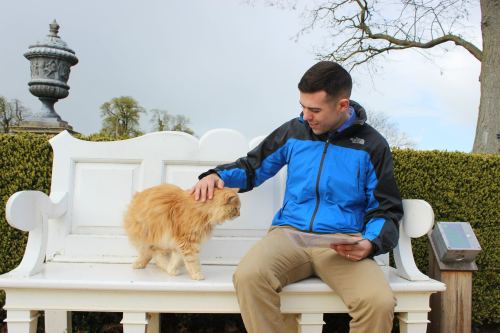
(344, 104)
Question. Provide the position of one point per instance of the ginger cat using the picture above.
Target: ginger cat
(166, 222)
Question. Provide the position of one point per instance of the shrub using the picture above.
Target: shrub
(459, 187)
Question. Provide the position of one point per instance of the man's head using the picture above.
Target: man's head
(324, 96)
(329, 77)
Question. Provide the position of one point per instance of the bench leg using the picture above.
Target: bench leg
(310, 323)
(58, 321)
(153, 323)
(413, 322)
(134, 322)
(140, 322)
(21, 321)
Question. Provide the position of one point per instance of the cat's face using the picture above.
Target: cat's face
(226, 205)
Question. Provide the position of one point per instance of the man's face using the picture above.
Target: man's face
(322, 113)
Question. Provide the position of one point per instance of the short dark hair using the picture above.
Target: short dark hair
(328, 76)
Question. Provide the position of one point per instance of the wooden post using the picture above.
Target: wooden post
(58, 321)
(451, 310)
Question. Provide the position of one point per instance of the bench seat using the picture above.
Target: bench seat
(218, 278)
(120, 288)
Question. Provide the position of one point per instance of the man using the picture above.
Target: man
(339, 181)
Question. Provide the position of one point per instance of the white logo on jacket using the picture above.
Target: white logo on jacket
(357, 140)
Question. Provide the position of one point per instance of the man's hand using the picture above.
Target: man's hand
(204, 188)
(354, 252)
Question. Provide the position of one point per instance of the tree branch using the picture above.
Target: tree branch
(477, 53)
(412, 42)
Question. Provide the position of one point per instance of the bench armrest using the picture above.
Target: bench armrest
(417, 221)
(30, 211)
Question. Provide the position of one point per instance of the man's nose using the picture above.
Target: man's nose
(306, 115)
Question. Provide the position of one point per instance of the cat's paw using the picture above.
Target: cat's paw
(172, 271)
(139, 264)
(197, 276)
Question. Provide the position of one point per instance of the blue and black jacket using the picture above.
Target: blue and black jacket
(340, 182)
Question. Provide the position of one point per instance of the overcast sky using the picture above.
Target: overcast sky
(224, 63)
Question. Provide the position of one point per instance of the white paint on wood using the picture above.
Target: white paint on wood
(417, 221)
(58, 321)
(418, 217)
(22, 321)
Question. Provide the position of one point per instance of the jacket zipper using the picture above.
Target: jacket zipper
(317, 184)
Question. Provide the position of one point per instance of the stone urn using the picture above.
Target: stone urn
(51, 61)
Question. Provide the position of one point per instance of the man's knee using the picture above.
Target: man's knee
(245, 274)
(375, 301)
(384, 303)
(253, 276)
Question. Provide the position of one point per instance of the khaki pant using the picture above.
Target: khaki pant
(275, 261)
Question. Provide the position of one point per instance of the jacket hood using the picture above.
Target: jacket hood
(360, 113)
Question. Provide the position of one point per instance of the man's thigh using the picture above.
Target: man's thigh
(351, 280)
(276, 256)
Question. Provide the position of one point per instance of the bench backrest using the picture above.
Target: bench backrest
(101, 177)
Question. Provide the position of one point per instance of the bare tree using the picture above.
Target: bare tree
(11, 113)
(19, 110)
(366, 29)
(394, 136)
(5, 115)
(164, 121)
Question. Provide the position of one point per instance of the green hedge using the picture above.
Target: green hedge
(459, 186)
(25, 164)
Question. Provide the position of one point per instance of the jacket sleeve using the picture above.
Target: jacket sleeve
(260, 164)
(384, 204)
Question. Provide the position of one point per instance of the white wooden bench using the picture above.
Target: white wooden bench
(79, 259)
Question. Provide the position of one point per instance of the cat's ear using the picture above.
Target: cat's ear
(231, 198)
(234, 189)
